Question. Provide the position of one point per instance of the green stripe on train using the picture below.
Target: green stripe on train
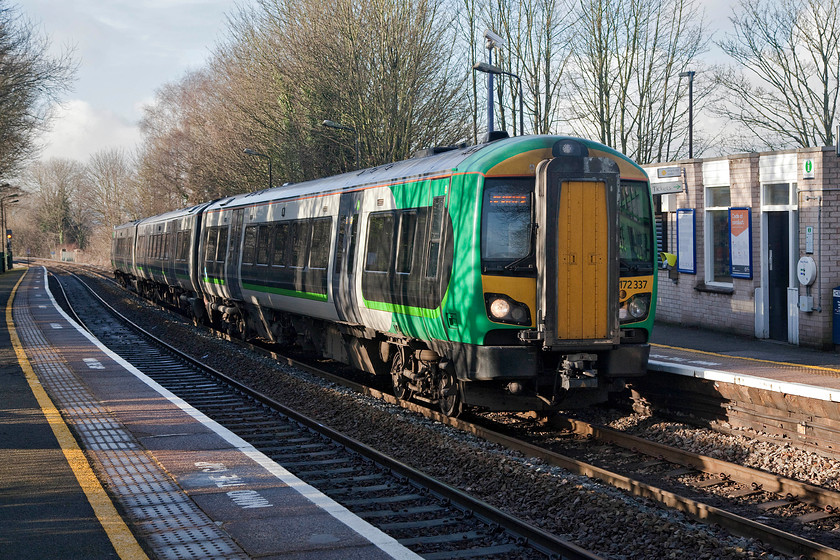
(403, 309)
(284, 292)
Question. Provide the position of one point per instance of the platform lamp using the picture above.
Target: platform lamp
(690, 75)
(251, 152)
(7, 241)
(490, 69)
(332, 124)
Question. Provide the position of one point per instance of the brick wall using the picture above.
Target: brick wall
(691, 301)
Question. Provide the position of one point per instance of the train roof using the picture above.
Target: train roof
(477, 158)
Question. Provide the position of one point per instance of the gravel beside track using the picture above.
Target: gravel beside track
(592, 515)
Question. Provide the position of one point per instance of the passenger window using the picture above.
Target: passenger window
(263, 239)
(405, 243)
(435, 237)
(339, 245)
(351, 250)
(212, 238)
(379, 242)
(300, 240)
(281, 233)
(185, 245)
(249, 246)
(221, 249)
(319, 253)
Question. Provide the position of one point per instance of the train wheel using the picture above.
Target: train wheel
(401, 390)
(450, 402)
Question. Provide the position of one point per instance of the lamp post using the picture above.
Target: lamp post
(491, 70)
(7, 242)
(332, 124)
(491, 41)
(690, 75)
(251, 152)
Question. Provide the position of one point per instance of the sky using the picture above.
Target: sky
(128, 49)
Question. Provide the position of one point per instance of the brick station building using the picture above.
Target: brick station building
(756, 238)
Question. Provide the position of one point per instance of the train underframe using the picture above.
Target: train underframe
(452, 377)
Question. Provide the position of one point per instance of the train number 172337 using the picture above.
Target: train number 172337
(633, 284)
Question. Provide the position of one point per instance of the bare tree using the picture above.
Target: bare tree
(537, 34)
(30, 82)
(625, 90)
(110, 190)
(384, 68)
(56, 187)
(788, 58)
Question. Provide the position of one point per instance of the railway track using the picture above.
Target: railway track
(431, 518)
(644, 460)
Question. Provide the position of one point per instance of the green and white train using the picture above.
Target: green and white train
(517, 274)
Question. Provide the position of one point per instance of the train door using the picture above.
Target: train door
(577, 242)
(344, 286)
(234, 254)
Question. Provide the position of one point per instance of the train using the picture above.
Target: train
(517, 274)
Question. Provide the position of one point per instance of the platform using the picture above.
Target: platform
(187, 487)
(746, 362)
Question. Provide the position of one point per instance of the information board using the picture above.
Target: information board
(686, 241)
(740, 242)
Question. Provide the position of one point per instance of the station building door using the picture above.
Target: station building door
(778, 273)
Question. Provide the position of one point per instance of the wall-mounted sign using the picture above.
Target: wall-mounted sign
(666, 188)
(686, 241)
(808, 169)
(669, 172)
(809, 240)
(740, 242)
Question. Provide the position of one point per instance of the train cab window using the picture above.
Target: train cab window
(506, 231)
(405, 242)
(221, 249)
(299, 233)
(263, 240)
(635, 219)
(281, 234)
(249, 245)
(379, 242)
(319, 252)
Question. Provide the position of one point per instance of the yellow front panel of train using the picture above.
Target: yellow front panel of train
(582, 262)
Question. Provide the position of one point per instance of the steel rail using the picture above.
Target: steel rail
(781, 541)
(544, 541)
(769, 482)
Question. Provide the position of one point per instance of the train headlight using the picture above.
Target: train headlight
(503, 309)
(638, 308)
(499, 308)
(634, 309)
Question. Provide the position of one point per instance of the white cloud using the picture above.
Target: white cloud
(78, 130)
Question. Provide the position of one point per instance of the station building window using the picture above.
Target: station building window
(717, 235)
